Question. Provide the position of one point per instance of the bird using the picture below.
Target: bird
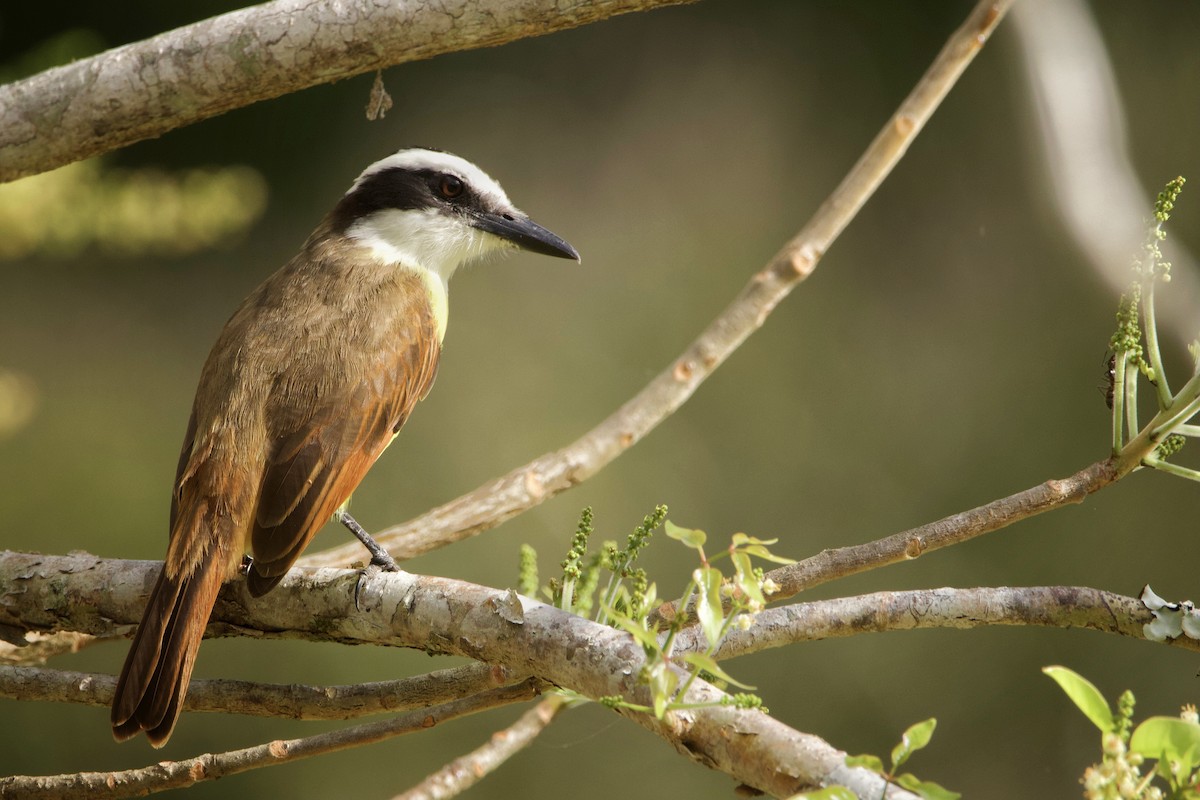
(309, 381)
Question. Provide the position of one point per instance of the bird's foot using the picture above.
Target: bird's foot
(379, 556)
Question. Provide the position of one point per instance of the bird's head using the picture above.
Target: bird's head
(437, 211)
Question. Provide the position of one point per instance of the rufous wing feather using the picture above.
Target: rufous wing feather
(314, 470)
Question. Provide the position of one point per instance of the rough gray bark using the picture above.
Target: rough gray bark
(439, 615)
(148, 88)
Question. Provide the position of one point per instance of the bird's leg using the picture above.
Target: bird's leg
(379, 556)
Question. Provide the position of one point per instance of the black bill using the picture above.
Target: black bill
(525, 233)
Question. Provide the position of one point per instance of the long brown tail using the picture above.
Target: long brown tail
(154, 680)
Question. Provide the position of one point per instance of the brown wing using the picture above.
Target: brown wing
(313, 469)
(185, 453)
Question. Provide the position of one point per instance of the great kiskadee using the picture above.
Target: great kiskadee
(312, 377)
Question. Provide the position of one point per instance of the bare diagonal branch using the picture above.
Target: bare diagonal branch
(840, 562)
(463, 773)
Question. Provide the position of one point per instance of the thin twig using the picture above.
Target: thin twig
(1048, 606)
(38, 648)
(290, 701)
(840, 562)
(463, 773)
(829, 565)
(544, 477)
(176, 774)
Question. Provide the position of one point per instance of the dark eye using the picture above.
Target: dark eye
(450, 187)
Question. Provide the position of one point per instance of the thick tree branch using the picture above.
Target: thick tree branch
(1047, 606)
(550, 474)
(148, 88)
(440, 615)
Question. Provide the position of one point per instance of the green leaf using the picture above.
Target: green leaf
(828, 793)
(647, 638)
(689, 536)
(927, 789)
(759, 551)
(866, 761)
(708, 664)
(758, 548)
(1168, 738)
(663, 682)
(745, 579)
(740, 539)
(651, 599)
(1085, 696)
(708, 604)
(916, 737)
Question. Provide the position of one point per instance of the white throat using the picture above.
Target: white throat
(428, 242)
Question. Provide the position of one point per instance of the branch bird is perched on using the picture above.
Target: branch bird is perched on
(308, 383)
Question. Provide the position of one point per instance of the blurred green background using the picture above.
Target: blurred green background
(948, 350)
